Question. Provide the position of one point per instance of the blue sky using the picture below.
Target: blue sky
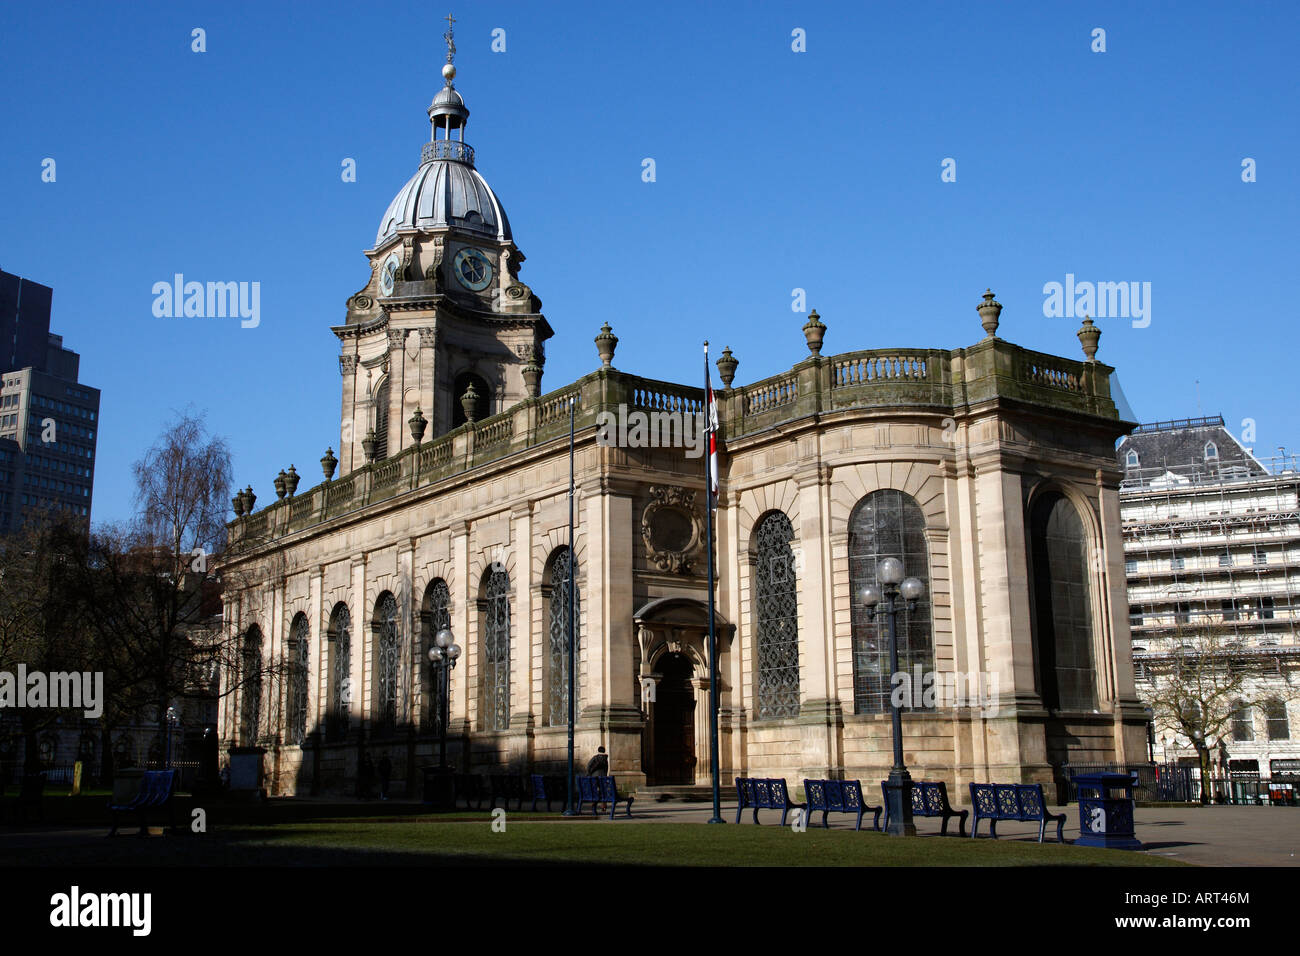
(775, 170)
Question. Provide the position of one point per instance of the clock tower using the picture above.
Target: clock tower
(444, 311)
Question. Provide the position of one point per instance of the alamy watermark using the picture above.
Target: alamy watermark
(212, 300)
(60, 690)
(1100, 300)
(920, 688)
(639, 429)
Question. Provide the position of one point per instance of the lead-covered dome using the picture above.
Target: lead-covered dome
(446, 191)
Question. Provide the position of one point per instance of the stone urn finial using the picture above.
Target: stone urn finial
(291, 479)
(280, 489)
(250, 499)
(814, 330)
(606, 342)
(237, 502)
(469, 402)
(417, 424)
(1088, 336)
(532, 373)
(989, 309)
(727, 367)
(368, 445)
(328, 463)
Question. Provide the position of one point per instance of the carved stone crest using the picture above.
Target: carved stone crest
(671, 528)
(347, 364)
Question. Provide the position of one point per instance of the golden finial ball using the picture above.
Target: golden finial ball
(449, 71)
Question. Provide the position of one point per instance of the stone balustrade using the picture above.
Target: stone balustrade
(950, 382)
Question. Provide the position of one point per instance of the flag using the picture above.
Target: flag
(711, 429)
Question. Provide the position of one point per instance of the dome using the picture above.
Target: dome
(446, 193)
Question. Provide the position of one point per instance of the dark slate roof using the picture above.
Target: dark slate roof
(1180, 446)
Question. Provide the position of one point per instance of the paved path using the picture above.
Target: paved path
(1210, 836)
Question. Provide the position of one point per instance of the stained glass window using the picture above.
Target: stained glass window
(437, 615)
(495, 612)
(777, 611)
(887, 524)
(1063, 610)
(388, 665)
(250, 716)
(557, 700)
(338, 718)
(299, 668)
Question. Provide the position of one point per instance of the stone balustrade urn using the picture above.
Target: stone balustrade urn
(418, 423)
(532, 373)
(328, 463)
(368, 444)
(469, 403)
(291, 479)
(237, 502)
(727, 364)
(250, 499)
(990, 310)
(279, 485)
(814, 331)
(606, 343)
(1088, 336)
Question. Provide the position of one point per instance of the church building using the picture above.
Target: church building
(989, 470)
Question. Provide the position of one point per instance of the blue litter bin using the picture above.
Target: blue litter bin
(1106, 811)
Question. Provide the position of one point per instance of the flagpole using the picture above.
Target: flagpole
(569, 811)
(708, 544)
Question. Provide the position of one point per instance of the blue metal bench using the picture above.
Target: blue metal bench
(1013, 801)
(763, 793)
(930, 799)
(598, 790)
(547, 787)
(843, 796)
(155, 793)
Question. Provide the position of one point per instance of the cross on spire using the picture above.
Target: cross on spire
(449, 37)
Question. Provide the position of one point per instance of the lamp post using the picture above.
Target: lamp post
(443, 656)
(172, 720)
(898, 789)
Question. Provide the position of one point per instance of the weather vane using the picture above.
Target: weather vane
(448, 36)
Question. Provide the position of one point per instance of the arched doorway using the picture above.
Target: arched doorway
(673, 715)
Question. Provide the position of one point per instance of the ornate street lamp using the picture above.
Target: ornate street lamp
(443, 657)
(898, 789)
(172, 721)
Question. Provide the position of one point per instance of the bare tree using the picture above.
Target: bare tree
(1199, 687)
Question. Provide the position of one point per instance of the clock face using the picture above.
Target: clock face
(388, 274)
(473, 269)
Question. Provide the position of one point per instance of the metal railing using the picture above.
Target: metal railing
(1171, 783)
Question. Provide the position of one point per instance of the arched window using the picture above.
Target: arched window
(1131, 459)
(494, 613)
(776, 604)
(339, 715)
(434, 616)
(381, 420)
(1243, 723)
(887, 524)
(1062, 605)
(251, 698)
(388, 665)
(299, 652)
(558, 620)
(1279, 728)
(1211, 451)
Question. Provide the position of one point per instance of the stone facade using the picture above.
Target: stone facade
(975, 441)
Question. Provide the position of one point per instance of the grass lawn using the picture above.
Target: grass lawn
(469, 839)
